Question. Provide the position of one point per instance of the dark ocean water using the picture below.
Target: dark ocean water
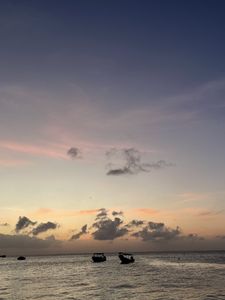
(152, 276)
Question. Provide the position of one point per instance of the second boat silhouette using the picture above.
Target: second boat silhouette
(98, 257)
(126, 258)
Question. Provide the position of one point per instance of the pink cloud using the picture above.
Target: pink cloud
(44, 211)
(34, 150)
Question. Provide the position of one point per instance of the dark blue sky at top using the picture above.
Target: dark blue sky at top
(132, 48)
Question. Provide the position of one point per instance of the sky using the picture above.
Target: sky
(112, 126)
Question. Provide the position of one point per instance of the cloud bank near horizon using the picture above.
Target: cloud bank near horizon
(109, 226)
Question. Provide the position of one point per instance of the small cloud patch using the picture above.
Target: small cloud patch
(23, 223)
(43, 227)
(74, 153)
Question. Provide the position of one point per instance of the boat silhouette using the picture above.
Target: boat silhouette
(98, 257)
(21, 258)
(126, 258)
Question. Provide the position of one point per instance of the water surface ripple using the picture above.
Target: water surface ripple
(153, 276)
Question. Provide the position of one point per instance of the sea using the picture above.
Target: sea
(161, 276)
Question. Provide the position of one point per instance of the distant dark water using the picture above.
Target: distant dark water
(161, 276)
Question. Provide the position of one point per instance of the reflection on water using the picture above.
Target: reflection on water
(152, 276)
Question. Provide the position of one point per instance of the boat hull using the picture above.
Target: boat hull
(125, 260)
(98, 259)
(21, 258)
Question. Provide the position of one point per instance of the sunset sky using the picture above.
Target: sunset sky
(112, 125)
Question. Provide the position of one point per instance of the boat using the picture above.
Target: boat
(126, 258)
(3, 255)
(21, 258)
(98, 257)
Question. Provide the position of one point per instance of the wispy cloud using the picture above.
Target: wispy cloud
(79, 234)
(211, 213)
(128, 161)
(61, 213)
